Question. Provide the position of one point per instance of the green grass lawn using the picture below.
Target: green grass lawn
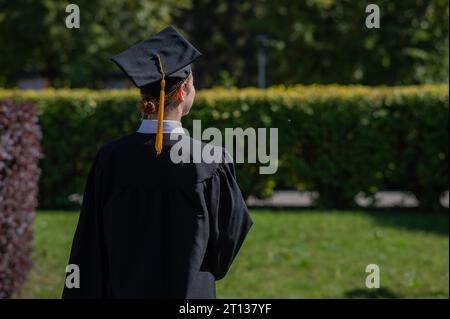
(301, 254)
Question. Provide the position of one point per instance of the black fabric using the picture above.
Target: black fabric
(140, 64)
(150, 228)
(173, 82)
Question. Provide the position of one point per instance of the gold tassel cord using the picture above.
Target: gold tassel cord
(162, 93)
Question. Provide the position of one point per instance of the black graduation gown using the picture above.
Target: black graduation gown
(150, 228)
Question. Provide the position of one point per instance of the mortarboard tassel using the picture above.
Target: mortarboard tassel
(162, 93)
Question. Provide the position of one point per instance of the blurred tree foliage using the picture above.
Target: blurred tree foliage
(34, 37)
(327, 41)
(311, 41)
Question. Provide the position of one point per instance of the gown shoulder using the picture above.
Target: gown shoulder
(134, 155)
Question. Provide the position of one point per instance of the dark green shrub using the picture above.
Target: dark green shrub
(337, 140)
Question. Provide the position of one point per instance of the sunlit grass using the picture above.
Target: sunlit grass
(301, 254)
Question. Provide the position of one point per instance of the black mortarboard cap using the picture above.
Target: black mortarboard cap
(140, 62)
(158, 64)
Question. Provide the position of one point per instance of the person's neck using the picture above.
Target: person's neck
(173, 115)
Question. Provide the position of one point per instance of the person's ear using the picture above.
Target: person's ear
(180, 95)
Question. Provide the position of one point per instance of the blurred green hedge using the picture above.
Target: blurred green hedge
(337, 140)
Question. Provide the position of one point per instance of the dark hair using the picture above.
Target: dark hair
(149, 103)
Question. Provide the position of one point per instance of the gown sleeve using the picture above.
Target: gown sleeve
(88, 249)
(228, 217)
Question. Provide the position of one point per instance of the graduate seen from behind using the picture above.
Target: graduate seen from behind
(150, 227)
